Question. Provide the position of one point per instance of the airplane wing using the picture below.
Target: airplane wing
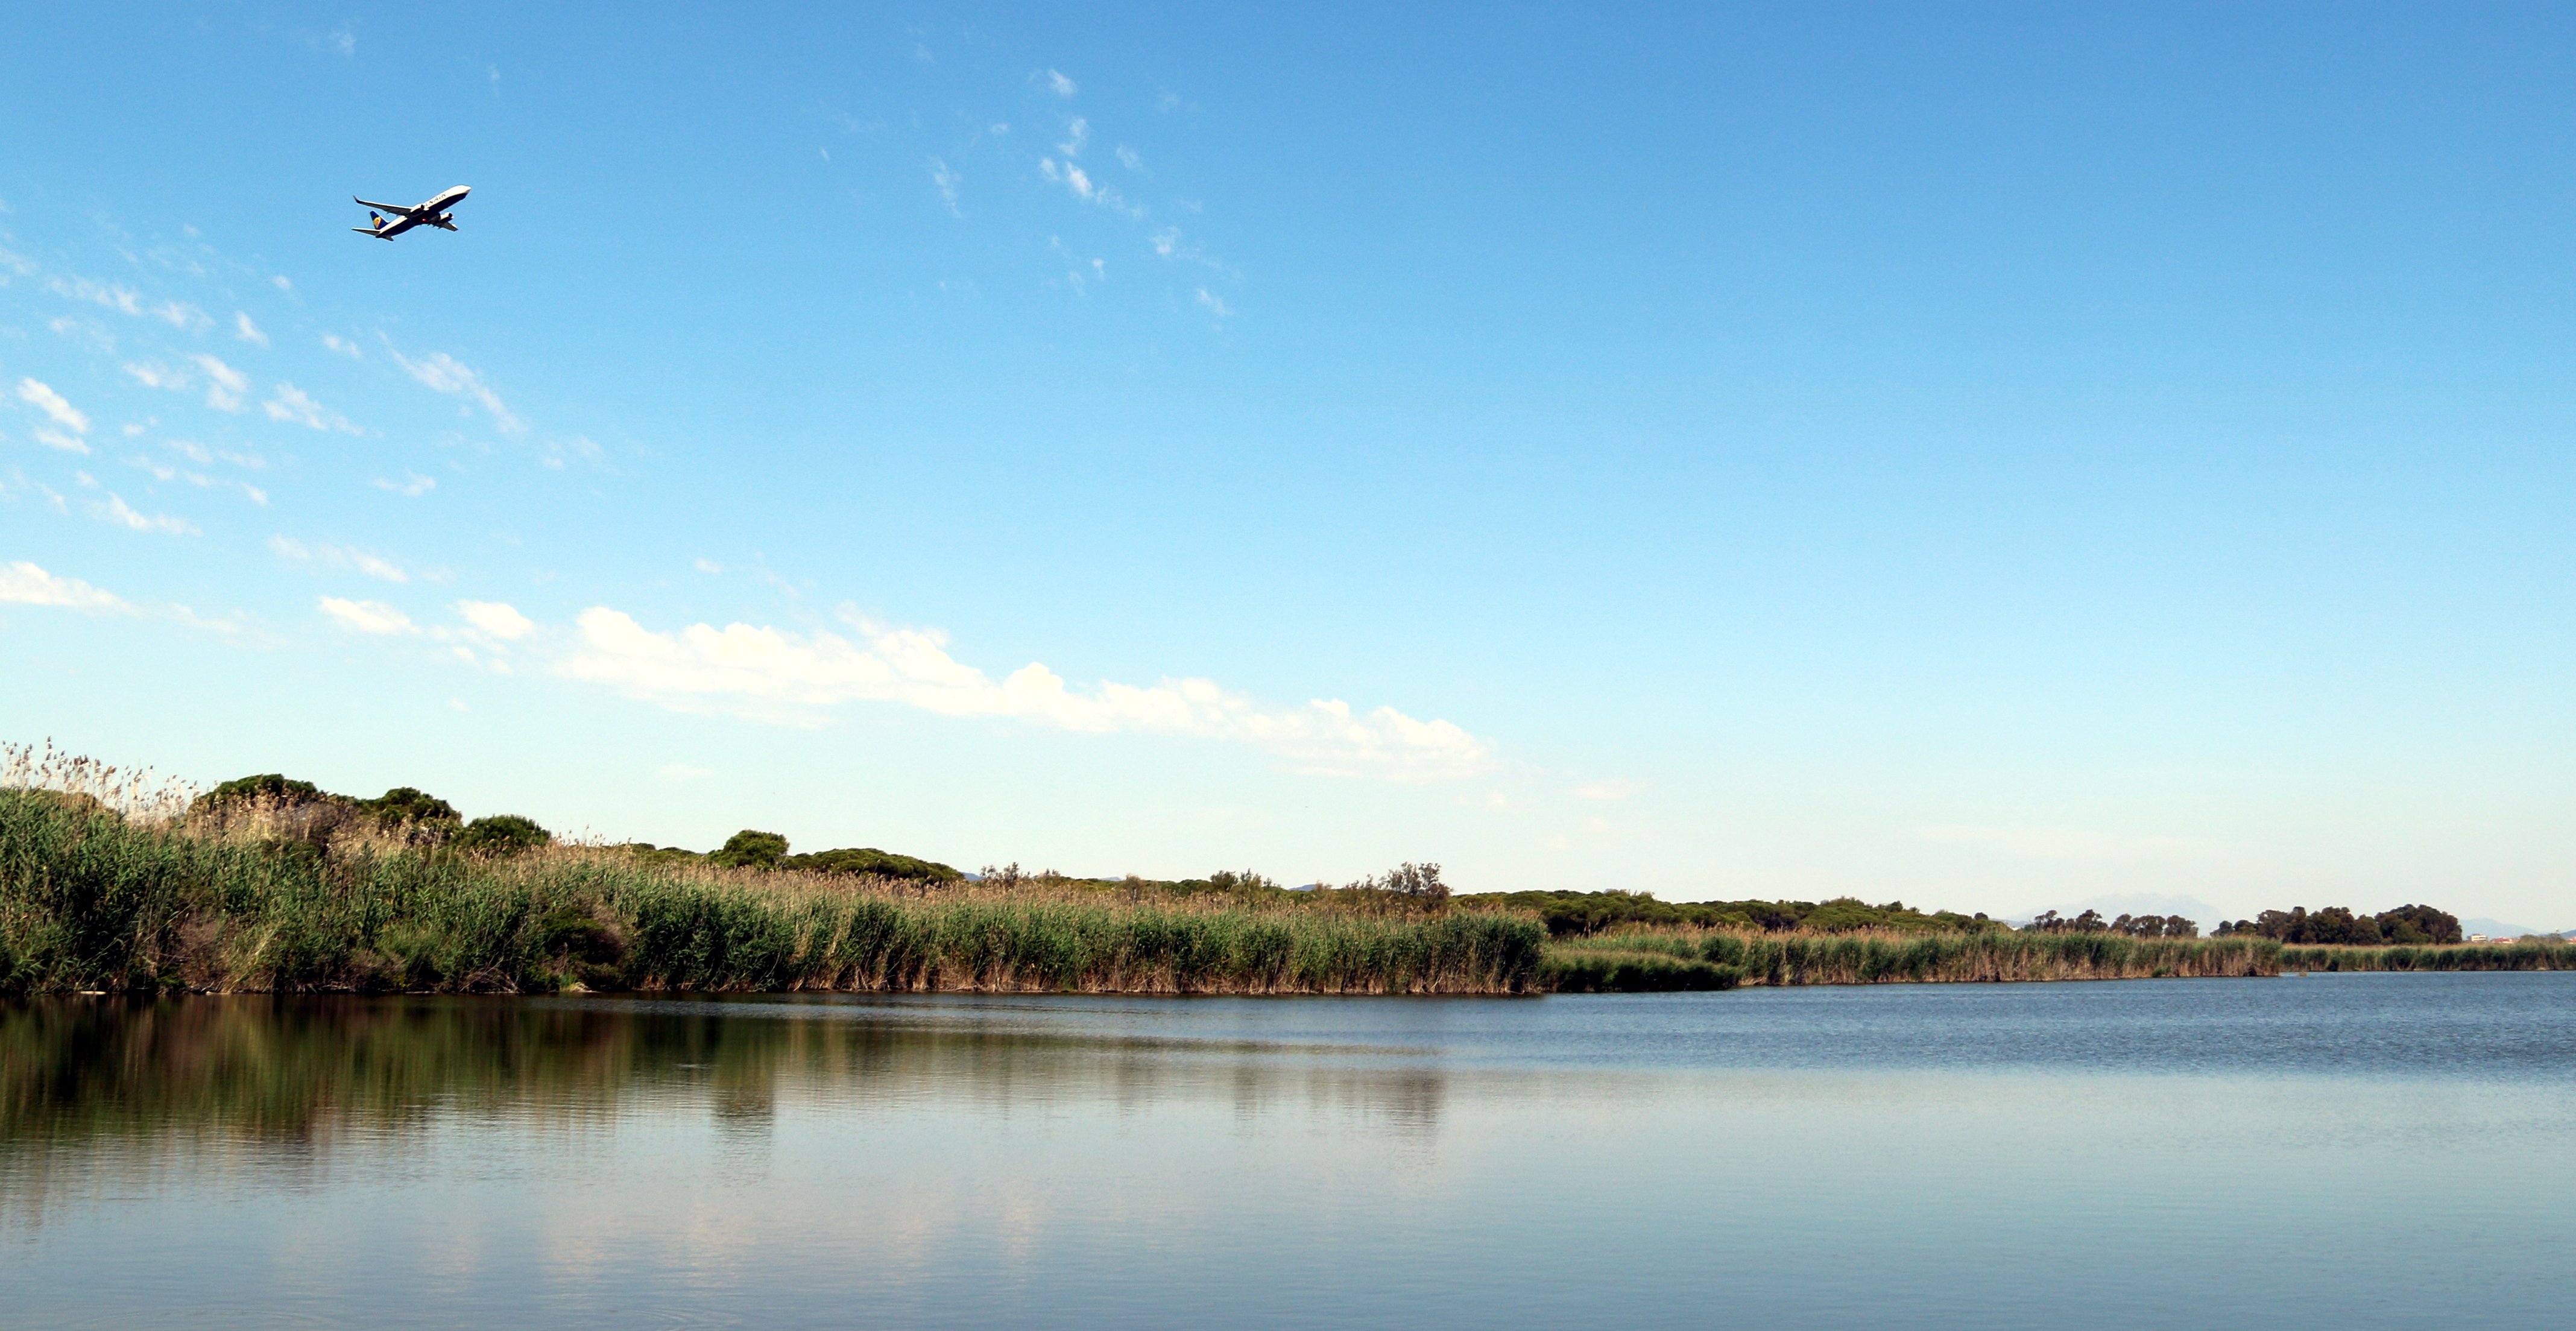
(402, 209)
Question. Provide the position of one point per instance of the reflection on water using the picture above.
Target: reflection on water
(2377, 1150)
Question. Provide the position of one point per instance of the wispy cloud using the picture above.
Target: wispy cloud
(115, 509)
(343, 346)
(412, 485)
(367, 616)
(446, 374)
(1127, 158)
(1058, 84)
(23, 583)
(778, 675)
(1214, 304)
(42, 397)
(1083, 187)
(1075, 136)
(247, 331)
(947, 182)
(124, 300)
(338, 557)
(290, 403)
(225, 386)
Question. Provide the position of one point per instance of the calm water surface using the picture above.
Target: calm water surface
(2331, 1151)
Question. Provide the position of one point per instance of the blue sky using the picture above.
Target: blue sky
(1990, 457)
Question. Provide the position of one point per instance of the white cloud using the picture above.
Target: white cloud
(1075, 136)
(343, 346)
(125, 300)
(153, 374)
(446, 374)
(247, 331)
(339, 557)
(43, 398)
(1078, 181)
(281, 283)
(23, 583)
(342, 41)
(413, 484)
(1059, 84)
(181, 316)
(225, 386)
(68, 443)
(496, 618)
(116, 510)
(1213, 304)
(705, 565)
(1127, 158)
(947, 181)
(290, 403)
(778, 675)
(366, 616)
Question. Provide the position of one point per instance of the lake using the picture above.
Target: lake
(2358, 1150)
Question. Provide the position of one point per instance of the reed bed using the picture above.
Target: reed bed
(2456, 957)
(1721, 959)
(91, 899)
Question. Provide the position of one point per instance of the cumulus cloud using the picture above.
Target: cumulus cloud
(247, 331)
(446, 374)
(366, 616)
(225, 386)
(779, 675)
(23, 583)
(496, 618)
(115, 509)
(43, 398)
(290, 403)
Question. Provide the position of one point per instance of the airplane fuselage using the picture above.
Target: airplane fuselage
(433, 213)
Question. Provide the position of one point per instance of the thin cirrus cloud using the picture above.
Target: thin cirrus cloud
(294, 405)
(338, 557)
(226, 387)
(772, 674)
(443, 373)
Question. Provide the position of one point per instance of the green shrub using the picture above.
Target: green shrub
(502, 834)
(869, 860)
(748, 849)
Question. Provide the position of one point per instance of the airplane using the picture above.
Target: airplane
(433, 213)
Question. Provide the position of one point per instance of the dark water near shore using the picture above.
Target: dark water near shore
(2364, 1150)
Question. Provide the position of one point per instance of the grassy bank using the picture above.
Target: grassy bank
(2461, 957)
(1722, 959)
(92, 901)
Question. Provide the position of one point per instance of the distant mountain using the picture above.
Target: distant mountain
(2498, 928)
(2146, 903)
